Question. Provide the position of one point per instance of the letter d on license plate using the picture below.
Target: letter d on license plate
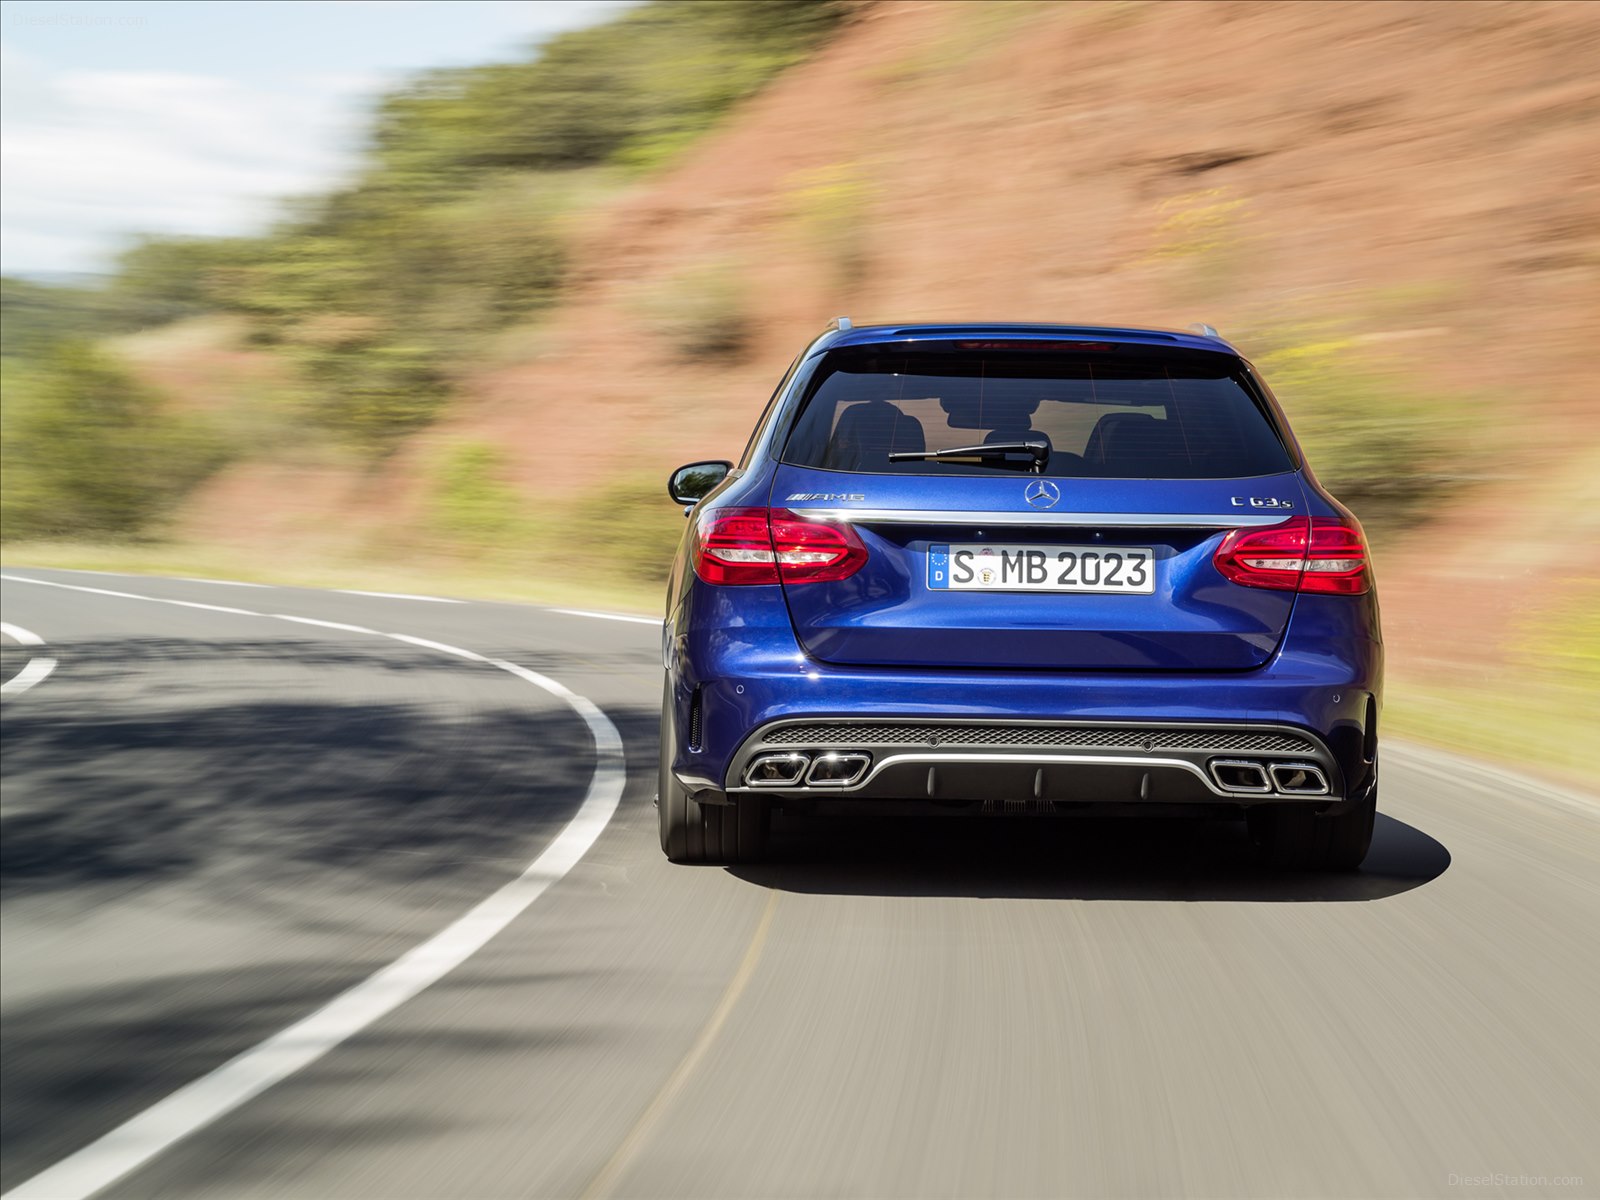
(979, 567)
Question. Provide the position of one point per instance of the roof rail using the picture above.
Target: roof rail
(1205, 330)
(842, 324)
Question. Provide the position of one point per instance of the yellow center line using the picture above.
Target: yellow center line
(606, 1180)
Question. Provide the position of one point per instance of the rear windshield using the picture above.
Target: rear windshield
(1172, 416)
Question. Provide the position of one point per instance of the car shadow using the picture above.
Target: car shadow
(1073, 859)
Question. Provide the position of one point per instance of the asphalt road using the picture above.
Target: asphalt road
(214, 823)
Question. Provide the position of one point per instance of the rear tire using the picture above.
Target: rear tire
(692, 832)
(1293, 838)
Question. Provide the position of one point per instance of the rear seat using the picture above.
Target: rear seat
(866, 435)
(1136, 445)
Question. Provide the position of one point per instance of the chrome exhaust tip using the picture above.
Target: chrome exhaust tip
(1240, 775)
(837, 770)
(776, 770)
(1299, 779)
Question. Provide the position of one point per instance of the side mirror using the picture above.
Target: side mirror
(693, 483)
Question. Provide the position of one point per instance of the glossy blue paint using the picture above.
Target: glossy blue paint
(886, 614)
(881, 644)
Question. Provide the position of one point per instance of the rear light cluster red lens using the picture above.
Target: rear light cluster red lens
(1305, 554)
(760, 545)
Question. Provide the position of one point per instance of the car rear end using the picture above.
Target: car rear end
(1029, 569)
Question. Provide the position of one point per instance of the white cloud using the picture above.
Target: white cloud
(89, 157)
(234, 108)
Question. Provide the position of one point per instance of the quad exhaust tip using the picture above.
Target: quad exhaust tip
(1242, 776)
(776, 770)
(1299, 779)
(794, 769)
(837, 770)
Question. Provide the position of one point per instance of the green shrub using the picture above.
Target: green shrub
(374, 393)
(1562, 643)
(162, 279)
(34, 317)
(1378, 445)
(829, 206)
(630, 532)
(625, 535)
(633, 90)
(702, 313)
(472, 504)
(1201, 240)
(87, 451)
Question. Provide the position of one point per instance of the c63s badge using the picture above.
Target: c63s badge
(1261, 502)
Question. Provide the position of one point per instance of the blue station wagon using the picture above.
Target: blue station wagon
(1004, 568)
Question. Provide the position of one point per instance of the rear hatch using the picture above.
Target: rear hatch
(1096, 556)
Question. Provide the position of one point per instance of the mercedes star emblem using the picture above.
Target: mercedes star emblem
(1042, 493)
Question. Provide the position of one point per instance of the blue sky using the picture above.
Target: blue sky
(196, 117)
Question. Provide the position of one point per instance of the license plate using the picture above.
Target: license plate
(988, 567)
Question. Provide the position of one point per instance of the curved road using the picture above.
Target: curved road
(215, 823)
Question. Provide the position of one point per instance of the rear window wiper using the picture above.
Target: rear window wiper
(1030, 455)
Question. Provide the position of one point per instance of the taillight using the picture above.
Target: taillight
(815, 551)
(1306, 554)
(757, 545)
(734, 545)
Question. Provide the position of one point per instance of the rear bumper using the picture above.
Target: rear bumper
(1046, 761)
(744, 670)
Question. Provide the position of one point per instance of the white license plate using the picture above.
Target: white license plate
(987, 567)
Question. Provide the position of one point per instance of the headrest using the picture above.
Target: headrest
(988, 407)
(1114, 431)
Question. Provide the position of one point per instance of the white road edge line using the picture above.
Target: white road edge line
(583, 612)
(35, 670)
(20, 635)
(78, 587)
(202, 1101)
(570, 612)
(325, 624)
(398, 596)
(87, 571)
